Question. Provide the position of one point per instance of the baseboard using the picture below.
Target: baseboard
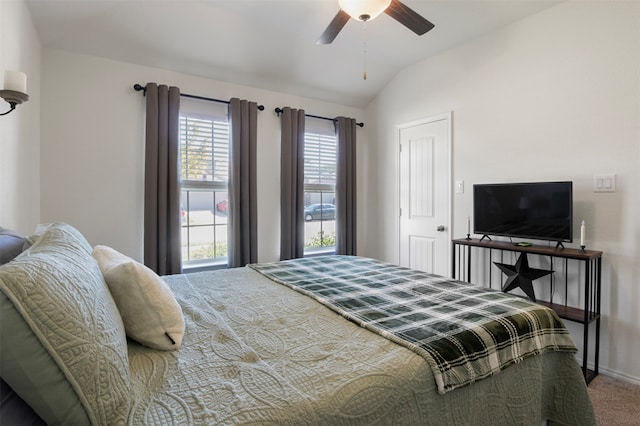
(611, 373)
(617, 375)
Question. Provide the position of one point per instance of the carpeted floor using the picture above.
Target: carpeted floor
(615, 402)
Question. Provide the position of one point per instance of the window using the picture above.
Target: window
(319, 185)
(204, 174)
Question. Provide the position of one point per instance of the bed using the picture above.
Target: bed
(269, 344)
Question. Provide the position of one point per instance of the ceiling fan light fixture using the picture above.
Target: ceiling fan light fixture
(364, 10)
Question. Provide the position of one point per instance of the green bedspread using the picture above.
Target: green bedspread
(464, 332)
(255, 352)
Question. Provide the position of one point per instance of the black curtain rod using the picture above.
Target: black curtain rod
(138, 87)
(279, 110)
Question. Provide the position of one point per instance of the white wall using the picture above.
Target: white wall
(555, 96)
(20, 50)
(93, 146)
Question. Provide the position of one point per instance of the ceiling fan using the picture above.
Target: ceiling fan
(366, 10)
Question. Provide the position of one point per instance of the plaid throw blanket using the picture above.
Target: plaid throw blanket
(464, 332)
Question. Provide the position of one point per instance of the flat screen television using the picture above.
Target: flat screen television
(535, 210)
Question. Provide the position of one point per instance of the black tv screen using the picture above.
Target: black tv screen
(536, 210)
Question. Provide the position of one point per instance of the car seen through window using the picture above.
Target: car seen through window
(320, 212)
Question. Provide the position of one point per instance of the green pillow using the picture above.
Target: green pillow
(63, 347)
(33, 374)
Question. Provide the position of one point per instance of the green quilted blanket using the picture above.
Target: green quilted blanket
(464, 332)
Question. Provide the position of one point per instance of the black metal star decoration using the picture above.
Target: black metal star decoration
(520, 275)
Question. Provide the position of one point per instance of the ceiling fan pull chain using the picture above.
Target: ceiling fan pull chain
(364, 48)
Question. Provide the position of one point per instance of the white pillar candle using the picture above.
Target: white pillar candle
(468, 225)
(16, 81)
(582, 234)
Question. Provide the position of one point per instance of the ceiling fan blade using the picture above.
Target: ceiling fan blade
(408, 17)
(334, 27)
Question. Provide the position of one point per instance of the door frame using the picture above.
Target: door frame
(448, 117)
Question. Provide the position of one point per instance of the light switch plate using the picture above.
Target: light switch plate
(459, 187)
(604, 183)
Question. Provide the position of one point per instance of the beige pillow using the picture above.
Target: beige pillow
(149, 310)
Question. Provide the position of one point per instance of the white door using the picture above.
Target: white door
(425, 178)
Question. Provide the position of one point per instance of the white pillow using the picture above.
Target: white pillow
(149, 310)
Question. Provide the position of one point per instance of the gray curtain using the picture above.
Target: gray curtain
(292, 184)
(346, 186)
(162, 248)
(242, 212)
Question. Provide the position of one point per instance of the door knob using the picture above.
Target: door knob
(440, 228)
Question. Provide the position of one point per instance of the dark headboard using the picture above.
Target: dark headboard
(14, 411)
(11, 244)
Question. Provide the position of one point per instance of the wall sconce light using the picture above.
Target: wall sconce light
(15, 89)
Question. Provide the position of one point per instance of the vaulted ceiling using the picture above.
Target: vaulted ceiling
(268, 44)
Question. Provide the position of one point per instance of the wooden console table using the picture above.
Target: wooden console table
(590, 260)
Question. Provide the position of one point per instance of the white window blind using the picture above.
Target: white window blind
(205, 149)
(319, 159)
